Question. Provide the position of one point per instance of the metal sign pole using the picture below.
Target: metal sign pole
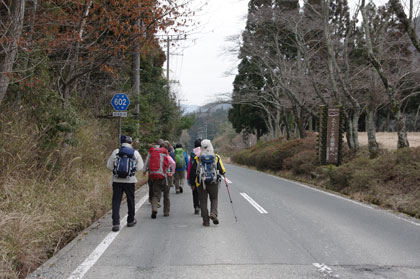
(119, 134)
(120, 103)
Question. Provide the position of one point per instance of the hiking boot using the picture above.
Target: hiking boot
(196, 211)
(214, 218)
(206, 224)
(154, 213)
(166, 214)
(181, 190)
(115, 228)
(177, 191)
(132, 224)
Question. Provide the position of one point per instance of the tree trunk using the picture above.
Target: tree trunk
(12, 35)
(417, 117)
(355, 127)
(371, 132)
(349, 133)
(395, 106)
(401, 129)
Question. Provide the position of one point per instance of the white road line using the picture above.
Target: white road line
(343, 198)
(228, 181)
(254, 203)
(81, 270)
(325, 270)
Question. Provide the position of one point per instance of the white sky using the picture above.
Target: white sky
(201, 68)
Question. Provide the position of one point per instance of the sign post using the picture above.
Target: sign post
(120, 104)
(330, 135)
(333, 133)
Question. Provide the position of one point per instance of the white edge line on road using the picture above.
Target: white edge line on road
(81, 270)
(343, 198)
(254, 203)
(228, 181)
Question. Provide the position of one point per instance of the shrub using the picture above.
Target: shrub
(339, 177)
(303, 162)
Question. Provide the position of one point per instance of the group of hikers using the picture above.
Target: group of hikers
(166, 167)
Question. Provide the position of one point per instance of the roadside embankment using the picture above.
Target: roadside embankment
(392, 180)
(45, 199)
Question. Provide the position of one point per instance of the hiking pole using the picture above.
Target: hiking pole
(230, 198)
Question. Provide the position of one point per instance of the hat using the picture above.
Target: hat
(126, 139)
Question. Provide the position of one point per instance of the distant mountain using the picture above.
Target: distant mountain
(189, 108)
(206, 108)
(215, 107)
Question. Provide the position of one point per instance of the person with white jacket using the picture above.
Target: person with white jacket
(124, 185)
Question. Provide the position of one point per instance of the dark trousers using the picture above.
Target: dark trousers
(211, 191)
(160, 186)
(117, 193)
(150, 183)
(196, 197)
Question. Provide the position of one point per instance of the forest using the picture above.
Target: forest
(61, 62)
(296, 58)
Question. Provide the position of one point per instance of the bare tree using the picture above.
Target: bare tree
(11, 14)
(390, 90)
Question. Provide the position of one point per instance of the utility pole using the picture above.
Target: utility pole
(167, 64)
(136, 68)
(170, 38)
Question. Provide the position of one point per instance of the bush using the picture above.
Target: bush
(339, 177)
(303, 162)
(271, 155)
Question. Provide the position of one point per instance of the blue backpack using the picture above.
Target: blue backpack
(208, 169)
(124, 166)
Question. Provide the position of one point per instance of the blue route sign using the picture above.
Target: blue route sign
(120, 102)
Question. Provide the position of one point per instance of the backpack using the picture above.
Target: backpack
(179, 158)
(124, 166)
(207, 169)
(157, 163)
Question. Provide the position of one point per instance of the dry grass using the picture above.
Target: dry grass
(389, 140)
(44, 202)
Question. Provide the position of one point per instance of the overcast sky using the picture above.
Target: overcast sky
(200, 63)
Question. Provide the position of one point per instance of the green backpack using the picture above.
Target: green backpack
(179, 158)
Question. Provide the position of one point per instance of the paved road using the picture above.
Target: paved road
(284, 230)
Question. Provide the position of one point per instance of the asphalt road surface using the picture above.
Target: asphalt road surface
(283, 230)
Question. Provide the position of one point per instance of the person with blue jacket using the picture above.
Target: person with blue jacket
(181, 160)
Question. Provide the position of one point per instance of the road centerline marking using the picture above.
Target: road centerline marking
(254, 203)
(84, 267)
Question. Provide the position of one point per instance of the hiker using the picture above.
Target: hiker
(124, 162)
(158, 165)
(149, 181)
(196, 199)
(206, 173)
(181, 160)
(171, 152)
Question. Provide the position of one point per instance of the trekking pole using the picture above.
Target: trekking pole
(230, 198)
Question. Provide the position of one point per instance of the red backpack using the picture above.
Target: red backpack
(158, 163)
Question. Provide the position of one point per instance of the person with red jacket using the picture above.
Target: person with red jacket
(158, 164)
